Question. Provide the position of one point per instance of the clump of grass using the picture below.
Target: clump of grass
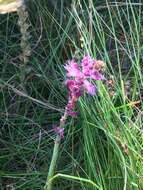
(110, 134)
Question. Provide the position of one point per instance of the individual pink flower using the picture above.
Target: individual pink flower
(72, 69)
(89, 66)
(59, 131)
(74, 87)
(96, 75)
(87, 62)
(89, 87)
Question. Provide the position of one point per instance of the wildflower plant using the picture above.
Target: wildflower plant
(78, 80)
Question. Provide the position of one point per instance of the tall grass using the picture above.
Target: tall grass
(102, 148)
(111, 131)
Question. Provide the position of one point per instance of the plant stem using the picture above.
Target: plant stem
(25, 45)
(53, 163)
(48, 185)
(90, 22)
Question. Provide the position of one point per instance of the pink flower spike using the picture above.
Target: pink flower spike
(77, 80)
(90, 88)
(72, 69)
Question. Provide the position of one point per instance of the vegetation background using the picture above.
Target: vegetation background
(104, 144)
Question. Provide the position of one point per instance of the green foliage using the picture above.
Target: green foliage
(103, 147)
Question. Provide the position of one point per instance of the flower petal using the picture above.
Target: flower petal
(72, 69)
(97, 76)
(90, 88)
(87, 61)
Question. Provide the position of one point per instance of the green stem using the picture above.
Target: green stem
(52, 167)
(48, 185)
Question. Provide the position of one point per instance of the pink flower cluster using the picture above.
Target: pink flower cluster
(78, 76)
